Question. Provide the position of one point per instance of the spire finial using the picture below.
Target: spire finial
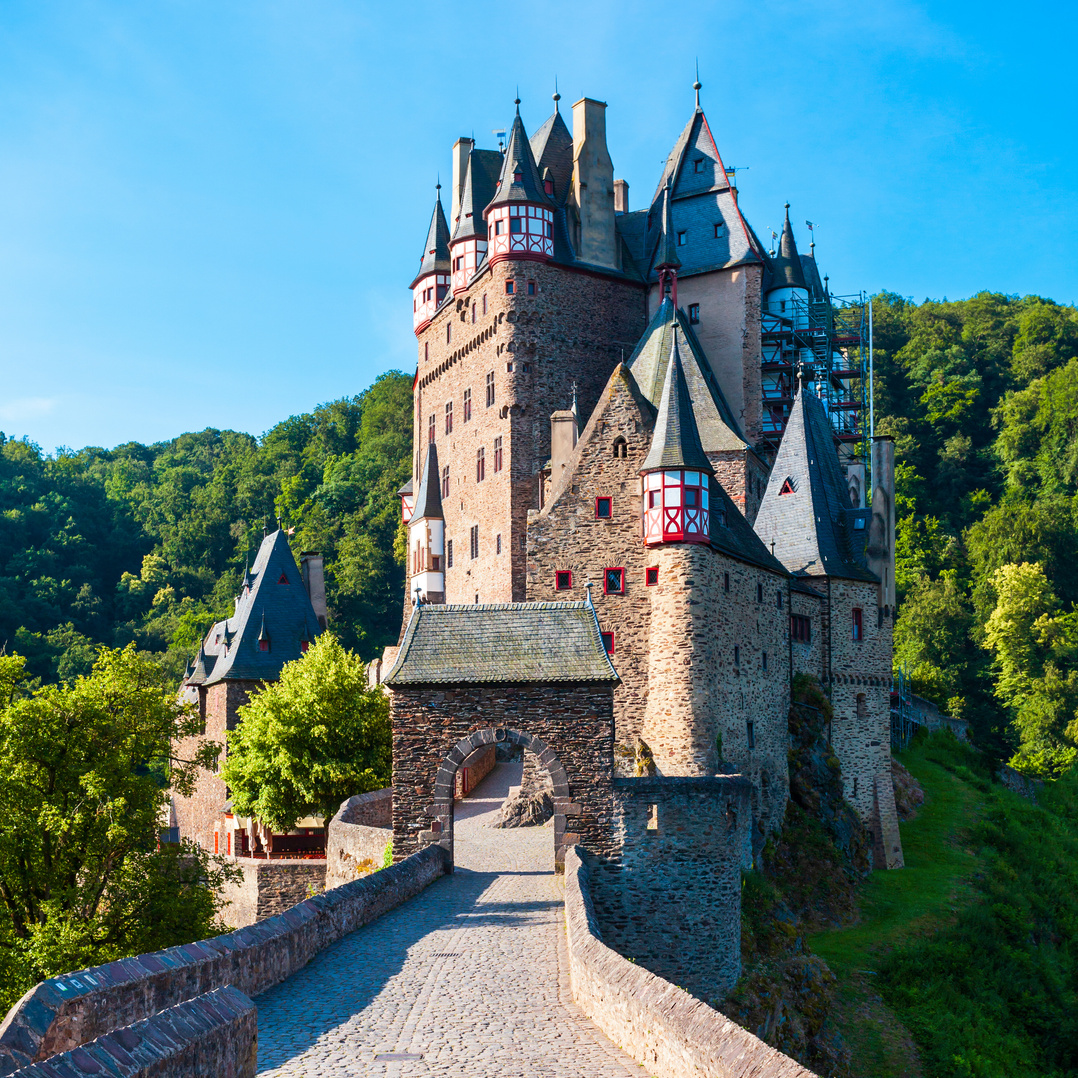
(438, 186)
(557, 96)
(787, 211)
(696, 85)
(517, 101)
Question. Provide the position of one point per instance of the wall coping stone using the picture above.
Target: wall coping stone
(704, 783)
(661, 1026)
(218, 1031)
(63, 1012)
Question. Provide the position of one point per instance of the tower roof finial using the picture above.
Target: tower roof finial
(557, 96)
(517, 101)
(696, 85)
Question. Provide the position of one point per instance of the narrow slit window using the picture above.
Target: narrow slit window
(725, 581)
(750, 735)
(694, 313)
(608, 642)
(653, 818)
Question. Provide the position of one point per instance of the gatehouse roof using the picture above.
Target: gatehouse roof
(501, 642)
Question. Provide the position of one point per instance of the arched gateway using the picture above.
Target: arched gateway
(533, 674)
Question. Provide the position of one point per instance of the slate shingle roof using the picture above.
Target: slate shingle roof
(480, 182)
(811, 274)
(281, 612)
(812, 526)
(675, 442)
(504, 642)
(428, 499)
(436, 251)
(519, 158)
(666, 253)
(552, 147)
(714, 418)
(786, 271)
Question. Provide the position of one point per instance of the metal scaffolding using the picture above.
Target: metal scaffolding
(831, 339)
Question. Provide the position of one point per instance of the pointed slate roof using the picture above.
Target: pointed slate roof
(268, 609)
(519, 158)
(501, 642)
(811, 525)
(666, 252)
(714, 417)
(436, 251)
(480, 179)
(786, 271)
(676, 441)
(428, 499)
(552, 146)
(812, 275)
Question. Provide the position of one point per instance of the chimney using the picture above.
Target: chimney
(621, 196)
(592, 196)
(563, 436)
(881, 533)
(855, 480)
(314, 580)
(461, 148)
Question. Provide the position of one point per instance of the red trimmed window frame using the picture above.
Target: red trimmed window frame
(608, 642)
(621, 578)
(609, 507)
(563, 580)
(651, 576)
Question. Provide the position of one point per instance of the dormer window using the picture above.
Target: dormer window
(681, 239)
(304, 645)
(694, 314)
(718, 229)
(518, 177)
(698, 165)
(282, 579)
(548, 186)
(787, 487)
(263, 645)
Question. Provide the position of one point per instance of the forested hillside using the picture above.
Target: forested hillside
(148, 543)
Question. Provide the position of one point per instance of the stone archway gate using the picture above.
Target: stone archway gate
(535, 674)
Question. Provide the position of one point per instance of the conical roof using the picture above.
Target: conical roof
(676, 440)
(812, 275)
(519, 161)
(436, 251)
(666, 251)
(428, 500)
(806, 508)
(552, 147)
(480, 181)
(786, 269)
(718, 428)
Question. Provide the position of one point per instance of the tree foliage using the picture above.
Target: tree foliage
(310, 740)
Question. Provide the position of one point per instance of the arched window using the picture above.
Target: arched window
(621, 448)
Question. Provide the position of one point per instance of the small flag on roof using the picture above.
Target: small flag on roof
(809, 223)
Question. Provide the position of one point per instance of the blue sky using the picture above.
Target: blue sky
(210, 212)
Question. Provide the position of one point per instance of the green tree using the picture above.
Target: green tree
(83, 776)
(310, 740)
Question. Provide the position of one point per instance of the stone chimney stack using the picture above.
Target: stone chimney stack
(563, 436)
(621, 196)
(461, 149)
(592, 196)
(881, 534)
(314, 580)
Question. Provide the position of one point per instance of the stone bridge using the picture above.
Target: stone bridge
(494, 971)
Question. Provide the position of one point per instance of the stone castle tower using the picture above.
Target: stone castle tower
(593, 400)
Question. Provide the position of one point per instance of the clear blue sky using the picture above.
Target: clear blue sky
(210, 212)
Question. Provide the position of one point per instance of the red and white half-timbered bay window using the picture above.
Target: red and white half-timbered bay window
(467, 255)
(519, 230)
(427, 294)
(676, 507)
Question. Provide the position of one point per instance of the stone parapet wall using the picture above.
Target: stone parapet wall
(474, 769)
(670, 898)
(667, 1031)
(269, 887)
(354, 847)
(213, 1035)
(70, 1010)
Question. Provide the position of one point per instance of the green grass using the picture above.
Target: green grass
(899, 907)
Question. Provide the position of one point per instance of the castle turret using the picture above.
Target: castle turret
(788, 294)
(426, 536)
(676, 473)
(520, 216)
(432, 281)
(468, 247)
(666, 258)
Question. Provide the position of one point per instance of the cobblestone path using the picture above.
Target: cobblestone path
(471, 975)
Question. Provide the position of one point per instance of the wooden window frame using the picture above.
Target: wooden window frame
(651, 576)
(608, 641)
(609, 514)
(621, 577)
(559, 576)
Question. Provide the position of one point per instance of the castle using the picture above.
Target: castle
(638, 419)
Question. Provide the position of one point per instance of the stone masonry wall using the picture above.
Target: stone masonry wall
(213, 1035)
(808, 658)
(670, 898)
(667, 1031)
(743, 476)
(569, 727)
(270, 887)
(567, 535)
(198, 815)
(574, 328)
(478, 765)
(67, 1011)
(354, 848)
(707, 673)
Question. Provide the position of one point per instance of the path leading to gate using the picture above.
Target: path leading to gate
(471, 975)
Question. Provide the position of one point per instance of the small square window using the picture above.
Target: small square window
(608, 642)
(563, 580)
(602, 508)
(698, 165)
(652, 575)
(516, 226)
(681, 239)
(531, 288)
(614, 581)
(718, 229)
(694, 313)
(510, 287)
(263, 645)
